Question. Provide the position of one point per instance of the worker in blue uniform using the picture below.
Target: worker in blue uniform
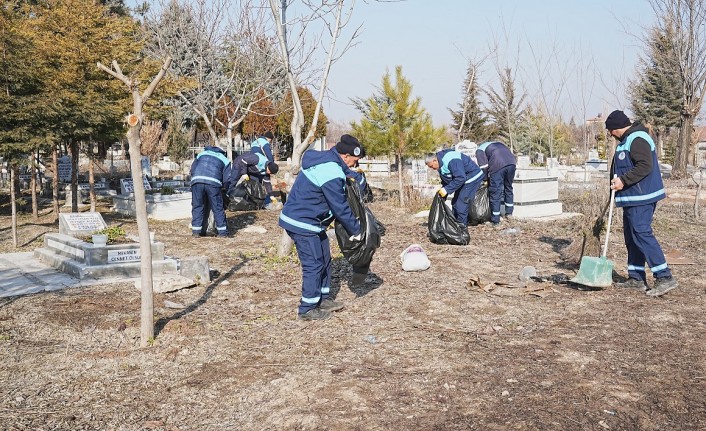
(210, 172)
(498, 163)
(460, 176)
(251, 164)
(638, 186)
(317, 197)
(263, 145)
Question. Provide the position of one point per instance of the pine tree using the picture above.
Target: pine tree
(655, 95)
(505, 109)
(394, 123)
(470, 121)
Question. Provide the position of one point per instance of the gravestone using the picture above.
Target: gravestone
(146, 166)
(127, 186)
(64, 169)
(80, 224)
(523, 162)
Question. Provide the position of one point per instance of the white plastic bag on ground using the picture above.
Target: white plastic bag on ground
(414, 258)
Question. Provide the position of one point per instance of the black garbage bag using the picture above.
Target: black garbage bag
(367, 192)
(479, 212)
(247, 196)
(358, 253)
(443, 227)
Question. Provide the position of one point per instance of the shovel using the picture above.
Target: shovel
(598, 271)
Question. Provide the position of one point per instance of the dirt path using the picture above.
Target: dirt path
(411, 351)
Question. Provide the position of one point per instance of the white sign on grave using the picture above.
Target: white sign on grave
(468, 148)
(122, 256)
(64, 169)
(96, 186)
(127, 186)
(523, 162)
(146, 167)
(80, 223)
(419, 173)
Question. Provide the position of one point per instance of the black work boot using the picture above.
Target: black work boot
(662, 286)
(315, 314)
(632, 283)
(329, 304)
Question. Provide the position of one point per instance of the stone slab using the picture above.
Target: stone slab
(159, 207)
(195, 268)
(24, 274)
(544, 209)
(82, 271)
(167, 283)
(79, 224)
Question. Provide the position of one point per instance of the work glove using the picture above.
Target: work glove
(356, 237)
(245, 177)
(273, 200)
(442, 192)
(359, 170)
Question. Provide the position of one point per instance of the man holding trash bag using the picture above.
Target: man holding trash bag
(251, 164)
(317, 197)
(459, 175)
(498, 162)
(638, 186)
(262, 145)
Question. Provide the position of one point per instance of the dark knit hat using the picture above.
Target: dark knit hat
(617, 120)
(273, 167)
(349, 145)
(269, 135)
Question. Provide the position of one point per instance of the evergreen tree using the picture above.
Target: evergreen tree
(656, 94)
(470, 121)
(506, 109)
(395, 124)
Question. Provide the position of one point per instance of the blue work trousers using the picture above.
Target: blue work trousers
(315, 258)
(463, 199)
(500, 190)
(205, 198)
(641, 243)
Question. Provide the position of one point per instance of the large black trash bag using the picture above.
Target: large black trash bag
(479, 212)
(443, 227)
(358, 253)
(367, 192)
(247, 196)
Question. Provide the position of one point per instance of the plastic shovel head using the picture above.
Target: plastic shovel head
(594, 272)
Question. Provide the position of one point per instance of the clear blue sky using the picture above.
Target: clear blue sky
(434, 39)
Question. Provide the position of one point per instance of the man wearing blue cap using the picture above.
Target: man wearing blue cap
(638, 186)
(318, 196)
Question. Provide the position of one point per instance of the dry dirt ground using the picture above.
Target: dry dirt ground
(411, 351)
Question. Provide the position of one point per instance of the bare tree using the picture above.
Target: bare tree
(333, 18)
(225, 65)
(134, 122)
(687, 20)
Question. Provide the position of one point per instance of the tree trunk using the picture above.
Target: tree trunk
(74, 176)
(400, 179)
(681, 158)
(229, 140)
(33, 187)
(55, 180)
(13, 203)
(91, 178)
(659, 142)
(143, 229)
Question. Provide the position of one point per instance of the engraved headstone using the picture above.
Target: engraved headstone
(146, 166)
(523, 162)
(127, 186)
(79, 224)
(64, 169)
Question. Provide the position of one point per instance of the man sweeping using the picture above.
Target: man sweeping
(638, 186)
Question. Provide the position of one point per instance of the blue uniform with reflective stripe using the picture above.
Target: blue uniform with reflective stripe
(210, 173)
(649, 189)
(317, 198)
(498, 162)
(639, 201)
(461, 176)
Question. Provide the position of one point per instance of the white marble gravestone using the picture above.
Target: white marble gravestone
(80, 224)
(127, 186)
